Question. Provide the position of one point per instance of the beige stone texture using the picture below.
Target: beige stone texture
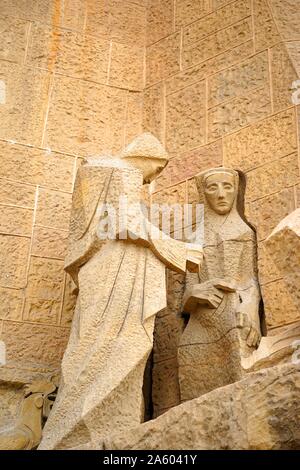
(282, 246)
(11, 396)
(272, 177)
(49, 243)
(160, 20)
(239, 112)
(68, 52)
(16, 220)
(265, 30)
(293, 49)
(280, 346)
(13, 39)
(185, 166)
(134, 115)
(53, 209)
(192, 191)
(23, 112)
(163, 59)
(93, 117)
(199, 72)
(280, 307)
(217, 43)
(14, 252)
(43, 311)
(220, 19)
(154, 110)
(127, 66)
(172, 195)
(35, 166)
(261, 143)
(185, 125)
(219, 3)
(267, 212)
(68, 14)
(267, 270)
(188, 11)
(122, 21)
(27, 345)
(17, 194)
(166, 338)
(283, 75)
(297, 196)
(69, 302)
(255, 412)
(44, 291)
(45, 278)
(165, 386)
(239, 80)
(175, 289)
(287, 17)
(11, 304)
(168, 327)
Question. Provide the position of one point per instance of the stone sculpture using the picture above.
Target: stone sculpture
(27, 432)
(283, 247)
(121, 286)
(261, 412)
(223, 298)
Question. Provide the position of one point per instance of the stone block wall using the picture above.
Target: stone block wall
(71, 81)
(212, 79)
(219, 77)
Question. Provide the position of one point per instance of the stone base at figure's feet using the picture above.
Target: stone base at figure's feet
(261, 411)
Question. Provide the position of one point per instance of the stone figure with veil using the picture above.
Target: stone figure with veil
(222, 300)
(121, 287)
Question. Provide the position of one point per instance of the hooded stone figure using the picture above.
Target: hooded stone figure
(120, 277)
(223, 299)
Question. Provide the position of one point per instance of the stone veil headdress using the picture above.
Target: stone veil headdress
(201, 177)
(146, 146)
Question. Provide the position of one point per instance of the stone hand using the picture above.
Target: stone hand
(194, 257)
(251, 329)
(209, 293)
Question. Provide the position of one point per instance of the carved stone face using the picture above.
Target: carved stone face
(220, 192)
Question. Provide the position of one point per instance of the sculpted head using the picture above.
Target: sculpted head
(146, 154)
(219, 187)
(150, 167)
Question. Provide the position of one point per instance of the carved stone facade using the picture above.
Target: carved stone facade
(217, 83)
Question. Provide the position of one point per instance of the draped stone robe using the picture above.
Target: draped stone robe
(121, 288)
(212, 345)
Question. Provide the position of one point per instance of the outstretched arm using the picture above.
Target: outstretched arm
(176, 255)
